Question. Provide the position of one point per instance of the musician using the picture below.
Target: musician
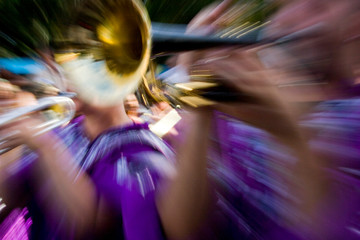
(331, 125)
(100, 176)
(91, 197)
(267, 159)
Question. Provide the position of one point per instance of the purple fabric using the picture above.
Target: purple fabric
(253, 178)
(335, 126)
(126, 165)
(127, 176)
(251, 175)
(15, 226)
(252, 191)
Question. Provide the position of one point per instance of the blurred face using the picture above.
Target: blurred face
(314, 55)
(131, 104)
(350, 57)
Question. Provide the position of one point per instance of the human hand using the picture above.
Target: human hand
(131, 105)
(10, 93)
(209, 19)
(19, 131)
(241, 71)
(205, 22)
(160, 109)
(7, 90)
(23, 130)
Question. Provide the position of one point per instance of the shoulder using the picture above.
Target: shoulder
(342, 113)
(333, 130)
(136, 144)
(340, 105)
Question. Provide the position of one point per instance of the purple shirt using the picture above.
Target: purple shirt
(126, 165)
(335, 129)
(252, 175)
(249, 170)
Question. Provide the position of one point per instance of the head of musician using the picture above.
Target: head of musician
(324, 64)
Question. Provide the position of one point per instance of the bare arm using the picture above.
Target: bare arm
(66, 193)
(55, 166)
(267, 110)
(185, 203)
(72, 192)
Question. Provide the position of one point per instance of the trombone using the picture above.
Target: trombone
(106, 52)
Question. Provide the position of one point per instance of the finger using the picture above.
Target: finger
(7, 105)
(155, 118)
(5, 94)
(10, 138)
(230, 71)
(10, 144)
(209, 15)
(214, 54)
(253, 84)
(248, 58)
(199, 20)
(25, 99)
(220, 9)
(25, 125)
(7, 90)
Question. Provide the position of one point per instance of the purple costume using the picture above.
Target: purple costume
(249, 171)
(126, 166)
(252, 177)
(252, 174)
(335, 127)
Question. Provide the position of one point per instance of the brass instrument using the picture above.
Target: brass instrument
(106, 53)
(201, 88)
(54, 106)
(56, 110)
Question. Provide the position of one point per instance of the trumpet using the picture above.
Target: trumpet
(57, 111)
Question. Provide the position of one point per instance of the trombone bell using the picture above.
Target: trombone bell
(107, 52)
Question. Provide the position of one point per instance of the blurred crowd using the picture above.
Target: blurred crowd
(282, 162)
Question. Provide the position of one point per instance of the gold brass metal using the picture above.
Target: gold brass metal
(57, 111)
(106, 53)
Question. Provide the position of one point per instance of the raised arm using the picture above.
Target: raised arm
(264, 108)
(185, 203)
(71, 194)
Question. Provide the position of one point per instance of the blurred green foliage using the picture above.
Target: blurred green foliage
(174, 11)
(182, 11)
(29, 25)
